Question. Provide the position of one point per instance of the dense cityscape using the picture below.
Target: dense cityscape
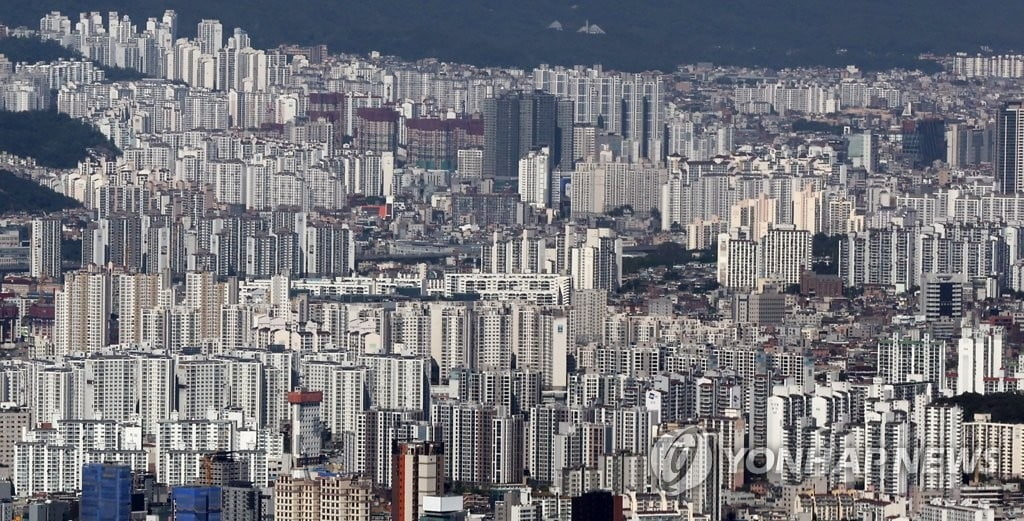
(288, 284)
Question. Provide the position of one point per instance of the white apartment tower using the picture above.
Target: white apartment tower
(535, 178)
(980, 358)
(45, 252)
(210, 34)
(597, 262)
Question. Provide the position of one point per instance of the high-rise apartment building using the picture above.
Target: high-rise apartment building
(535, 178)
(45, 250)
(597, 262)
(418, 470)
(82, 314)
(306, 427)
(942, 471)
(980, 358)
(305, 496)
(210, 34)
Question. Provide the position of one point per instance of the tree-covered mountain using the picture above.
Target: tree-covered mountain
(1004, 407)
(51, 138)
(32, 50)
(640, 34)
(18, 194)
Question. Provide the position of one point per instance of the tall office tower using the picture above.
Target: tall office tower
(1009, 160)
(942, 302)
(538, 123)
(306, 428)
(597, 506)
(45, 252)
(196, 503)
(82, 312)
(942, 468)
(515, 123)
(928, 141)
(910, 356)
(106, 492)
(597, 262)
(418, 471)
(863, 151)
(501, 136)
(784, 254)
(305, 496)
(980, 358)
(535, 178)
(210, 34)
(564, 147)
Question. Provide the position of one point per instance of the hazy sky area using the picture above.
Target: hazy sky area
(639, 34)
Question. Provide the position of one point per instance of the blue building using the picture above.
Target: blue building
(106, 492)
(196, 503)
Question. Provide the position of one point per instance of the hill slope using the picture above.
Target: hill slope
(641, 34)
(18, 194)
(51, 138)
(32, 50)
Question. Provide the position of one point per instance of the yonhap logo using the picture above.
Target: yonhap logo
(682, 459)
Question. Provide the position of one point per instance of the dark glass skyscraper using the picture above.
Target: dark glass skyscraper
(197, 503)
(1009, 160)
(106, 492)
(516, 122)
(501, 136)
